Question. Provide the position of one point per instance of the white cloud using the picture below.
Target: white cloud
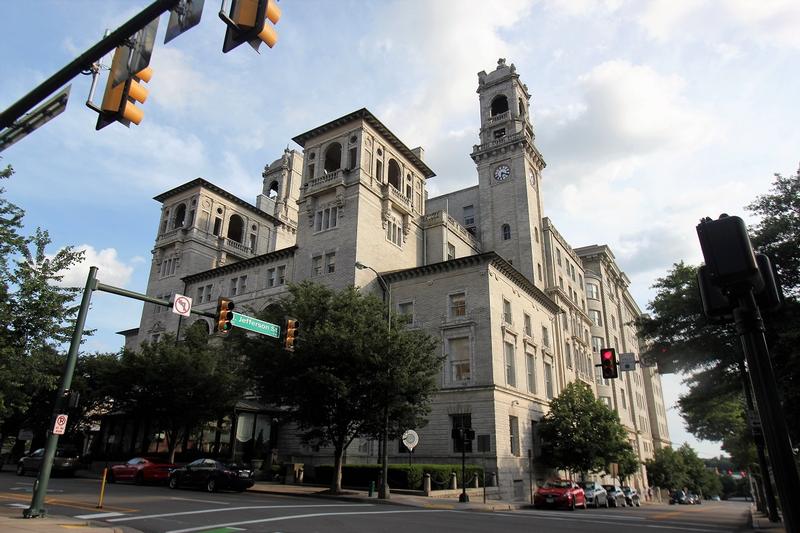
(661, 17)
(111, 270)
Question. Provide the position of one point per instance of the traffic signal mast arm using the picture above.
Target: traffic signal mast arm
(84, 61)
(144, 298)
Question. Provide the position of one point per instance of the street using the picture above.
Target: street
(157, 509)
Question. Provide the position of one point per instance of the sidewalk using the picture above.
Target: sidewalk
(11, 521)
(761, 522)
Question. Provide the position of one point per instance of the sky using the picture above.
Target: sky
(649, 114)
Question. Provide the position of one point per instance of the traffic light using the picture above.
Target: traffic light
(292, 326)
(224, 315)
(119, 102)
(247, 23)
(608, 363)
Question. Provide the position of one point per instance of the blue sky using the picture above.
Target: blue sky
(650, 115)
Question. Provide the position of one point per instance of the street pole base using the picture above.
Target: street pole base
(384, 492)
(31, 513)
(463, 498)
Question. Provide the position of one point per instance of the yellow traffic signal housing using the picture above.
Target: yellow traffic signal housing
(119, 102)
(247, 22)
(224, 315)
(292, 327)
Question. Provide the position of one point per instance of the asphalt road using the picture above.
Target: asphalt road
(156, 509)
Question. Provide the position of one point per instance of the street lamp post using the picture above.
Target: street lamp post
(383, 490)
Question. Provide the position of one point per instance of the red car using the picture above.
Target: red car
(559, 493)
(141, 470)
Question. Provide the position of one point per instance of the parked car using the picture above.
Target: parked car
(695, 498)
(631, 496)
(616, 498)
(141, 470)
(212, 475)
(596, 495)
(679, 497)
(66, 461)
(559, 493)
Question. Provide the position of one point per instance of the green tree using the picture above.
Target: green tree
(178, 385)
(581, 434)
(667, 469)
(700, 479)
(346, 368)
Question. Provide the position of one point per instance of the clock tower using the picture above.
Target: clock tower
(509, 172)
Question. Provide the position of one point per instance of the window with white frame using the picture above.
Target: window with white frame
(458, 305)
(548, 380)
(451, 251)
(530, 367)
(271, 277)
(281, 274)
(595, 316)
(545, 337)
(469, 215)
(394, 233)
(325, 218)
(592, 291)
(330, 263)
(507, 312)
(316, 265)
(511, 377)
(458, 353)
(527, 325)
(568, 354)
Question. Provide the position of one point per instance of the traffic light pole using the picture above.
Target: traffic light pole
(84, 61)
(750, 328)
(36, 509)
(40, 487)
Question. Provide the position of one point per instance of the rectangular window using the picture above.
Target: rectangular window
(200, 293)
(458, 351)
(458, 305)
(558, 256)
(622, 400)
(560, 283)
(592, 291)
(469, 215)
(507, 312)
(281, 275)
(568, 354)
(351, 163)
(234, 284)
(217, 226)
(545, 337)
(597, 344)
(531, 369)
(379, 170)
(528, 328)
(406, 309)
(330, 263)
(484, 443)
(316, 266)
(513, 434)
(242, 286)
(208, 292)
(539, 271)
(325, 219)
(463, 420)
(394, 233)
(548, 380)
(536, 445)
(451, 252)
(511, 378)
(595, 317)
(271, 277)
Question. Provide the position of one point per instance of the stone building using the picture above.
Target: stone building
(518, 311)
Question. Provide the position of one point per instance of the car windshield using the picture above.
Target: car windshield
(557, 485)
(610, 488)
(62, 452)
(588, 486)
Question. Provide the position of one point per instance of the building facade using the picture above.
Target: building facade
(519, 313)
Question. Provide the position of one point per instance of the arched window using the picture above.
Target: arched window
(180, 216)
(273, 189)
(394, 174)
(333, 157)
(499, 105)
(505, 230)
(236, 228)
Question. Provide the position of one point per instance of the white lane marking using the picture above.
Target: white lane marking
(581, 517)
(205, 511)
(201, 501)
(20, 505)
(98, 515)
(311, 515)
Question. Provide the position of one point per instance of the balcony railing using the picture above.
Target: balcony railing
(398, 199)
(323, 182)
(498, 118)
(239, 247)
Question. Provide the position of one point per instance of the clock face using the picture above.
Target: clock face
(502, 172)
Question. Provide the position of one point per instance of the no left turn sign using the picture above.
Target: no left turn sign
(182, 305)
(61, 425)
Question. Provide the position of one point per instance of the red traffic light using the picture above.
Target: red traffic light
(608, 363)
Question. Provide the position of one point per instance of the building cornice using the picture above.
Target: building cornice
(365, 115)
(202, 183)
(283, 253)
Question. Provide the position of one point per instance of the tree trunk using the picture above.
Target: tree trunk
(172, 443)
(336, 480)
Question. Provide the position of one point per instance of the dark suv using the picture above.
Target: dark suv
(66, 461)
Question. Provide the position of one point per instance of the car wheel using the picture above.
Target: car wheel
(211, 485)
(173, 482)
(20, 470)
(607, 504)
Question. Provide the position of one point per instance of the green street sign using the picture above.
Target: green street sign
(256, 325)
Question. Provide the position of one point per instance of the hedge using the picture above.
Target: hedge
(400, 476)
